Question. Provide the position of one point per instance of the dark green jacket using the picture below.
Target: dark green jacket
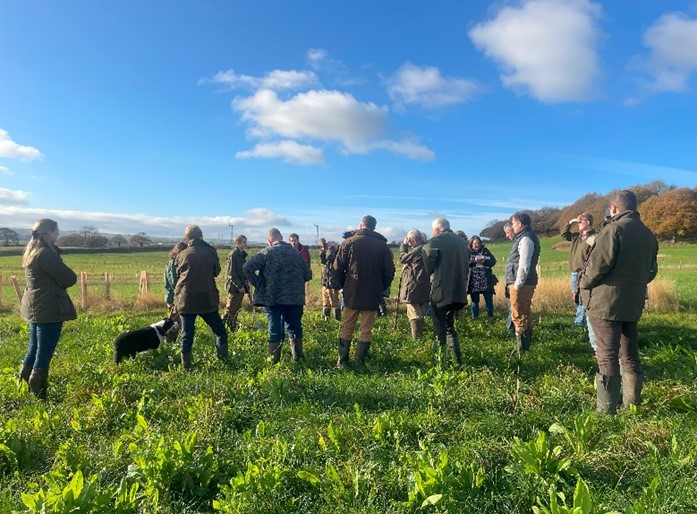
(446, 257)
(196, 291)
(416, 287)
(620, 266)
(366, 265)
(45, 299)
(234, 276)
(170, 281)
(580, 248)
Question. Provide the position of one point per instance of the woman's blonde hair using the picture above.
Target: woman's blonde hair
(39, 240)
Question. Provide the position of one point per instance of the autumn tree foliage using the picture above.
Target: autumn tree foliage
(671, 215)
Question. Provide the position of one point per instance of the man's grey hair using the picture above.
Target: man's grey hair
(274, 234)
(369, 222)
(416, 235)
(440, 224)
(507, 226)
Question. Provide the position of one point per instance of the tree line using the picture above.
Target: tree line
(87, 237)
(670, 212)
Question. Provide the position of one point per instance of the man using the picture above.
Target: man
(235, 283)
(415, 285)
(446, 258)
(521, 277)
(581, 244)
(294, 240)
(278, 274)
(508, 231)
(613, 287)
(330, 288)
(365, 269)
(196, 293)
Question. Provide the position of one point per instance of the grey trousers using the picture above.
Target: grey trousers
(617, 341)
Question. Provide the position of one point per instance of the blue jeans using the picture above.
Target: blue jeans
(213, 320)
(288, 317)
(488, 300)
(43, 339)
(580, 318)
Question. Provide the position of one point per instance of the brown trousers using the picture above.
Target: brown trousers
(521, 307)
(349, 323)
(330, 298)
(233, 305)
(617, 341)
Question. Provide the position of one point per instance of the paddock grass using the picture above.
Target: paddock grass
(405, 435)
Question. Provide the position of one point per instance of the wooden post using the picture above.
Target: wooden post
(107, 285)
(0, 291)
(15, 284)
(147, 281)
(83, 287)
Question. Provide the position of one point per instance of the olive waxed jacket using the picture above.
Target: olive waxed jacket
(623, 262)
(446, 257)
(45, 299)
(416, 286)
(196, 291)
(580, 248)
(234, 276)
(367, 267)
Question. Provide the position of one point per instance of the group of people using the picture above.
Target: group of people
(610, 271)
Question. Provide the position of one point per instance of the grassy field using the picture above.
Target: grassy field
(496, 435)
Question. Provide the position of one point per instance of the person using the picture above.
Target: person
(278, 274)
(613, 285)
(196, 293)
(461, 234)
(170, 279)
(45, 303)
(330, 288)
(481, 278)
(581, 243)
(521, 277)
(446, 256)
(415, 284)
(365, 268)
(508, 231)
(294, 241)
(235, 283)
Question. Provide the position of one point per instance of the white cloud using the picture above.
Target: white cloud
(5, 170)
(315, 57)
(8, 148)
(426, 86)
(407, 148)
(545, 47)
(672, 59)
(15, 197)
(276, 80)
(289, 151)
(323, 115)
(319, 60)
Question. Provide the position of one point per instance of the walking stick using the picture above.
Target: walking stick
(399, 291)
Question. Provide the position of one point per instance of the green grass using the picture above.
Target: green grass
(308, 438)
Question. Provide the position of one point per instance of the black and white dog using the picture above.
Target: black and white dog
(135, 341)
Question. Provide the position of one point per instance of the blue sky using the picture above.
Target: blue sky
(148, 116)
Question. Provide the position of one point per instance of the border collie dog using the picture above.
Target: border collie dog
(135, 341)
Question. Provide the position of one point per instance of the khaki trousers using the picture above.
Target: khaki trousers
(349, 323)
(521, 306)
(330, 298)
(415, 311)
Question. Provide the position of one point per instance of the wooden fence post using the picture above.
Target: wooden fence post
(0, 291)
(144, 283)
(15, 284)
(107, 285)
(83, 288)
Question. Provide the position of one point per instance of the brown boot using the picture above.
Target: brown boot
(296, 348)
(38, 382)
(24, 374)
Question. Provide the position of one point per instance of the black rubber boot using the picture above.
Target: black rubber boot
(325, 313)
(362, 349)
(454, 346)
(632, 384)
(296, 349)
(519, 343)
(221, 352)
(24, 374)
(38, 383)
(186, 361)
(337, 313)
(608, 393)
(527, 338)
(344, 349)
(275, 352)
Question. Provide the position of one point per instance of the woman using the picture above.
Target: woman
(170, 284)
(482, 280)
(45, 303)
(415, 283)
